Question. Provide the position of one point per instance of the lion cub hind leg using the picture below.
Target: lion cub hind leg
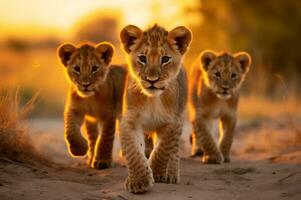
(196, 149)
(149, 144)
(140, 178)
(205, 141)
(92, 135)
(104, 146)
(227, 128)
(77, 144)
(166, 155)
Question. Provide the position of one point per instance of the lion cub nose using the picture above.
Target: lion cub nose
(152, 78)
(225, 87)
(86, 85)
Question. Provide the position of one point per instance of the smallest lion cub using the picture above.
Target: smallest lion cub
(95, 96)
(214, 92)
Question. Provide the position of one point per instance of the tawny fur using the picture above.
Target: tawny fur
(95, 97)
(214, 94)
(155, 101)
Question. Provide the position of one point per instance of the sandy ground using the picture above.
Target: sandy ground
(250, 175)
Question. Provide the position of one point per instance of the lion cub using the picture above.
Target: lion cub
(95, 96)
(155, 100)
(214, 92)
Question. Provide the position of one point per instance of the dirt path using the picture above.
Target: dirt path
(238, 180)
(243, 178)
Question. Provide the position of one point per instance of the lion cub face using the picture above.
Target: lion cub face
(154, 55)
(86, 65)
(224, 73)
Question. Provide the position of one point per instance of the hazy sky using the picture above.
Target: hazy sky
(62, 14)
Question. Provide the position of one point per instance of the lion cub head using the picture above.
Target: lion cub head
(86, 65)
(154, 55)
(224, 73)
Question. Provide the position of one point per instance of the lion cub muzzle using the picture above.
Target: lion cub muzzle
(224, 92)
(153, 87)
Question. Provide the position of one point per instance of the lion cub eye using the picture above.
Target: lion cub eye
(217, 74)
(94, 69)
(233, 75)
(165, 59)
(142, 59)
(76, 69)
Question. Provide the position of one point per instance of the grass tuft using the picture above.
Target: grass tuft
(15, 142)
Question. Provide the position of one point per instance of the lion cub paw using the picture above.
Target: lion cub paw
(101, 164)
(172, 179)
(139, 185)
(78, 147)
(197, 153)
(227, 159)
(169, 179)
(212, 159)
(159, 178)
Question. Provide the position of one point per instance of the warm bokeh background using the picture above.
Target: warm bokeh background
(266, 153)
(269, 30)
(31, 31)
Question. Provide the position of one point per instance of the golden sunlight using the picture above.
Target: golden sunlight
(30, 17)
(81, 92)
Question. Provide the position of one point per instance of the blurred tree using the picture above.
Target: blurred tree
(16, 44)
(100, 26)
(271, 29)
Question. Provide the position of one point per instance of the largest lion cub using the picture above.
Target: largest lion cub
(155, 101)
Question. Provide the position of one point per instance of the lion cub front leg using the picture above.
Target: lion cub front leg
(77, 144)
(173, 168)
(104, 145)
(164, 160)
(140, 176)
(92, 134)
(227, 129)
(204, 140)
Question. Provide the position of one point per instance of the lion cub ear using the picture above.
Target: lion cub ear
(244, 60)
(130, 36)
(106, 50)
(65, 51)
(181, 38)
(206, 58)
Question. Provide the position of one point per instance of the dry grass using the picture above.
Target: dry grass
(270, 126)
(253, 106)
(271, 141)
(280, 121)
(14, 139)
